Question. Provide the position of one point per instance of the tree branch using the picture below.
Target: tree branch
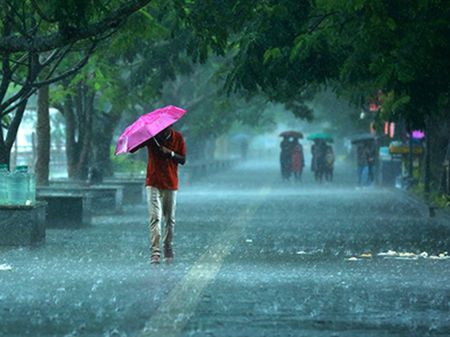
(320, 18)
(21, 29)
(6, 77)
(37, 85)
(13, 43)
(41, 13)
(18, 63)
(14, 126)
(67, 73)
(31, 77)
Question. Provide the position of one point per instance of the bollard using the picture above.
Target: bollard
(432, 211)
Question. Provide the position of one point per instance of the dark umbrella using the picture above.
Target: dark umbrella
(293, 134)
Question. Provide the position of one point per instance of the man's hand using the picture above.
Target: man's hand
(166, 151)
(174, 156)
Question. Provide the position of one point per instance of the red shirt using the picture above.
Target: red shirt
(162, 171)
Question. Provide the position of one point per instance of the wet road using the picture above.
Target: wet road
(253, 257)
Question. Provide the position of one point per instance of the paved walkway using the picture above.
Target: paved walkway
(254, 257)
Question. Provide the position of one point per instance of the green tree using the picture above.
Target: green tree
(211, 111)
(260, 35)
(125, 77)
(286, 48)
(35, 39)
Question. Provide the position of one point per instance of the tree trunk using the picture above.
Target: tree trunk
(71, 142)
(4, 151)
(43, 137)
(105, 125)
(4, 154)
(85, 132)
(7, 141)
(78, 114)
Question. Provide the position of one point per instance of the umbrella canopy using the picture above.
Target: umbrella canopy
(363, 137)
(293, 134)
(147, 126)
(321, 135)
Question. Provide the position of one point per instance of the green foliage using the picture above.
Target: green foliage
(272, 55)
(210, 111)
(441, 200)
(283, 48)
(437, 199)
(129, 164)
(393, 106)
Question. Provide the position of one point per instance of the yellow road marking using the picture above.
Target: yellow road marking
(173, 315)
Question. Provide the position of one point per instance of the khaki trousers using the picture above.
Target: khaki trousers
(161, 206)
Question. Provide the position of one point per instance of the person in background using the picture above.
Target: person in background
(298, 159)
(318, 150)
(362, 159)
(165, 152)
(329, 163)
(371, 161)
(286, 158)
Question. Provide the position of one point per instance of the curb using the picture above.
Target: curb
(420, 202)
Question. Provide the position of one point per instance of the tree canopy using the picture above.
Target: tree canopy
(35, 42)
(285, 48)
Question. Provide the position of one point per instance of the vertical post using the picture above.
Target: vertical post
(410, 153)
(447, 169)
(427, 182)
(427, 177)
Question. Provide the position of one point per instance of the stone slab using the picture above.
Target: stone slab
(67, 210)
(22, 225)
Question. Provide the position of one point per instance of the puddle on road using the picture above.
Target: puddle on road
(392, 254)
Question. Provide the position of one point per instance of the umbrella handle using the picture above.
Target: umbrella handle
(159, 145)
(156, 142)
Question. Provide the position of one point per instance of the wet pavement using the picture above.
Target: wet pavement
(253, 257)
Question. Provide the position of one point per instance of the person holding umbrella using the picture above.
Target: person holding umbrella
(298, 159)
(318, 154)
(166, 150)
(286, 158)
(289, 149)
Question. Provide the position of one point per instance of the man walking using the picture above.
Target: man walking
(165, 151)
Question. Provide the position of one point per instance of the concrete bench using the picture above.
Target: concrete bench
(103, 198)
(133, 189)
(66, 209)
(106, 198)
(22, 225)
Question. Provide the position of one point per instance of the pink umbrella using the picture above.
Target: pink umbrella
(147, 126)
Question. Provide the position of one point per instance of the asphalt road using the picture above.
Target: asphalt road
(253, 257)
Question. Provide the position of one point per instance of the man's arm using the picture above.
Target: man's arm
(177, 158)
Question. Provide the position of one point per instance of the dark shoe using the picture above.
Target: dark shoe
(155, 259)
(168, 255)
